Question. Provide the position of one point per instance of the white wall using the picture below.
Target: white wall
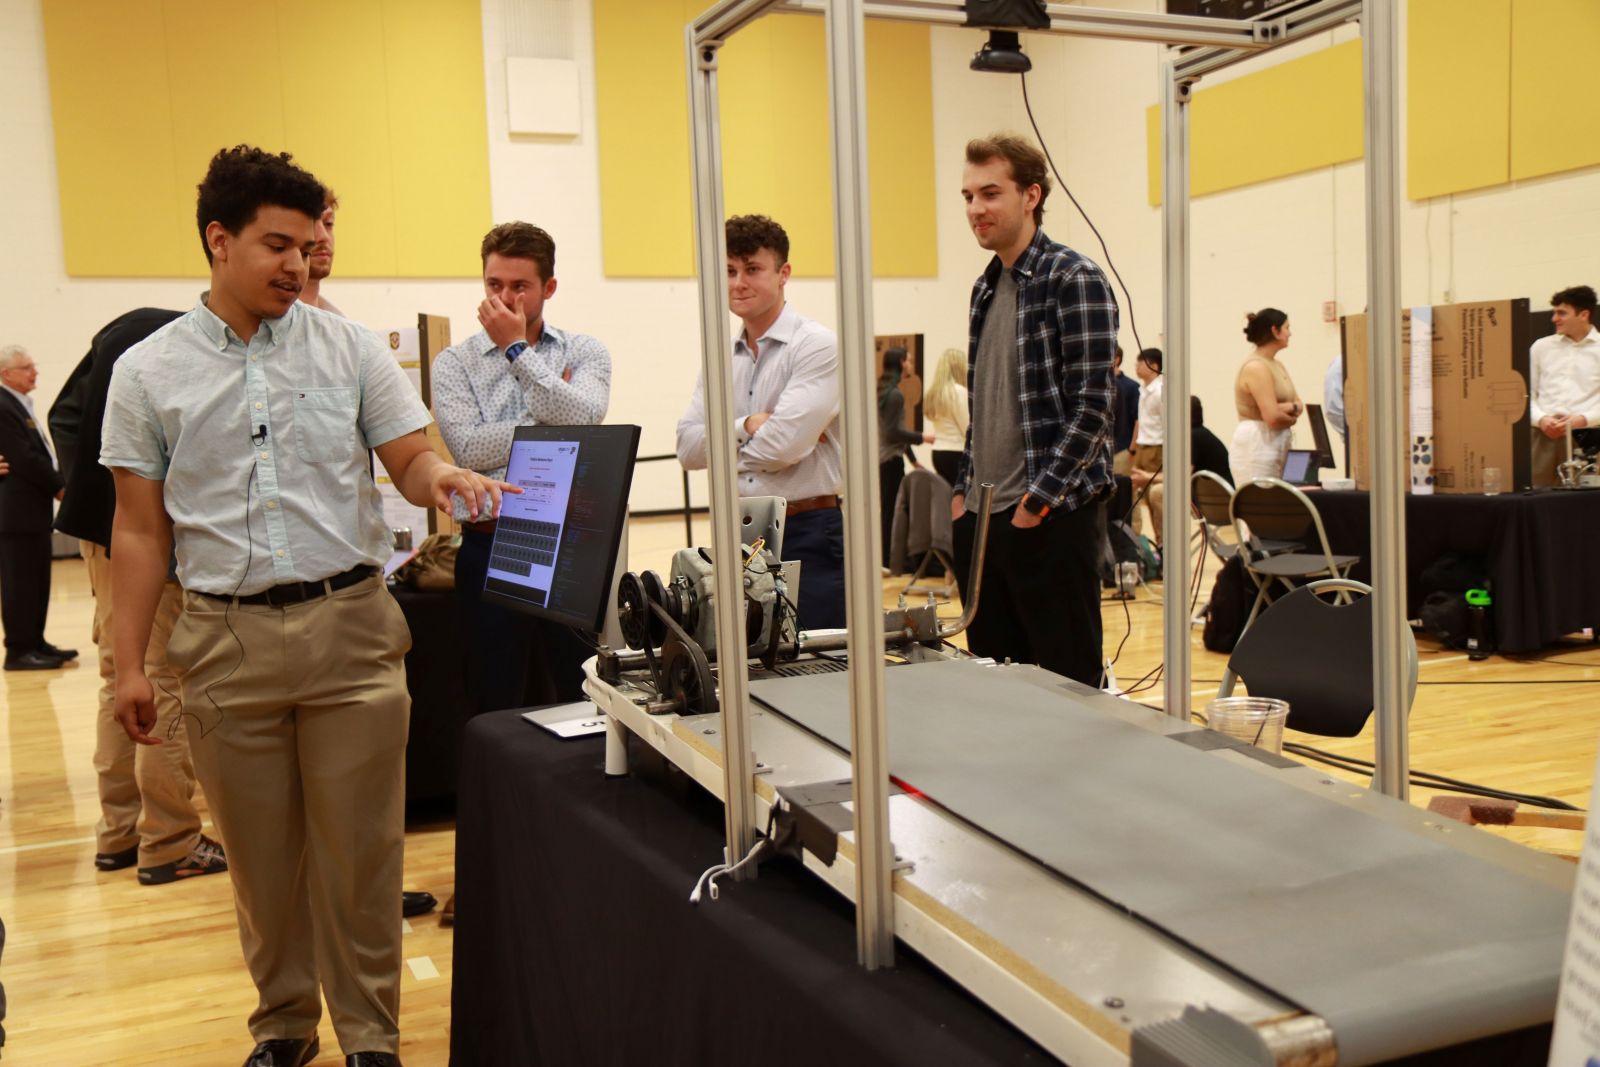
(1295, 242)
(1292, 243)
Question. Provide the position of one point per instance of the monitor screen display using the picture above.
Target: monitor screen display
(555, 544)
(1298, 467)
(1319, 434)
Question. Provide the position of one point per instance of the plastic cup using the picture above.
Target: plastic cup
(1491, 481)
(1256, 721)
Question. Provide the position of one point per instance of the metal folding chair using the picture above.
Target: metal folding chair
(1271, 508)
(1318, 657)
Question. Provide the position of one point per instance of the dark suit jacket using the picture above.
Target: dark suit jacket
(26, 494)
(91, 498)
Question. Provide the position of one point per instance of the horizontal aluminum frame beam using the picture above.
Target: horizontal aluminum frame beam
(1291, 27)
(730, 16)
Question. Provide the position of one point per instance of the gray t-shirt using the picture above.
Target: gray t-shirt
(997, 449)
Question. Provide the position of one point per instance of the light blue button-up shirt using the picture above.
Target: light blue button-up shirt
(481, 397)
(262, 446)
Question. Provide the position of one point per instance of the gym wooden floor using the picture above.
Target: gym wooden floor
(101, 971)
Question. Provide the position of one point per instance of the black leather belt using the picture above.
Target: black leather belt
(299, 592)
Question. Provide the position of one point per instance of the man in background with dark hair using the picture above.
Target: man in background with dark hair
(786, 414)
(517, 371)
(147, 810)
(1149, 436)
(1042, 339)
(239, 435)
(1125, 417)
(1563, 380)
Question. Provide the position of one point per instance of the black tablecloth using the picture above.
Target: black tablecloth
(1537, 547)
(436, 675)
(575, 943)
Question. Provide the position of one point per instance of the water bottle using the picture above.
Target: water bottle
(1480, 624)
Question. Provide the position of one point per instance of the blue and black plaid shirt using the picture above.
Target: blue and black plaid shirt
(1067, 344)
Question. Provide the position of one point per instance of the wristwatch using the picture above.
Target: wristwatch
(515, 349)
(1035, 506)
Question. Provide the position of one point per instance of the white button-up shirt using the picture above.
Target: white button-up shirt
(794, 374)
(1152, 410)
(1565, 377)
(480, 397)
(262, 447)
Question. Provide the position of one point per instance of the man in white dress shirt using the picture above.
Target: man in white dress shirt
(1563, 380)
(786, 408)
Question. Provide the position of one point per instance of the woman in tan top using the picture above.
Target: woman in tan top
(1266, 400)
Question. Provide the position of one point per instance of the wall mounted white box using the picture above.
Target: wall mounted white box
(542, 96)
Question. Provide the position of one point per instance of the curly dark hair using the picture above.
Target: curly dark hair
(242, 178)
(1028, 165)
(749, 234)
(522, 240)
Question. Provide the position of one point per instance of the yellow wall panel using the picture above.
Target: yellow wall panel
(776, 141)
(1458, 58)
(1298, 116)
(642, 109)
(336, 48)
(900, 150)
(114, 148)
(440, 161)
(382, 99)
(1553, 86)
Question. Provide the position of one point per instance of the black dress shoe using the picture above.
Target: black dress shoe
(288, 1052)
(372, 1059)
(59, 653)
(32, 661)
(116, 861)
(416, 902)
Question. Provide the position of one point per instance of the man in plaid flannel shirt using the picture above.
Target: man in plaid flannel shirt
(1042, 339)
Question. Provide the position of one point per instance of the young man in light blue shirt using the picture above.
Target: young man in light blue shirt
(238, 433)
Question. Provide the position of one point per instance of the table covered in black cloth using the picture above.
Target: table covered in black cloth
(1538, 548)
(575, 943)
(436, 675)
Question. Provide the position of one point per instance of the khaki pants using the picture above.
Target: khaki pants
(1148, 458)
(300, 715)
(146, 791)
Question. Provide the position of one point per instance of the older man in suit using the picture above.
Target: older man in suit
(25, 518)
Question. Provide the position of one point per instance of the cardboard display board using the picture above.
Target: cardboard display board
(1480, 394)
(911, 385)
(433, 336)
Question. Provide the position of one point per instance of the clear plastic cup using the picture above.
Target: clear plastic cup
(1492, 485)
(1256, 721)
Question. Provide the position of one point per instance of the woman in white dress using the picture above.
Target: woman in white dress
(1266, 400)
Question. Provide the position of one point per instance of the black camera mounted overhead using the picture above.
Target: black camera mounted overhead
(1002, 53)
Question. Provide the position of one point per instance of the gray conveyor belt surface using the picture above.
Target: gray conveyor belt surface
(1401, 942)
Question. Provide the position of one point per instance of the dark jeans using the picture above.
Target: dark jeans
(1040, 601)
(891, 473)
(514, 660)
(24, 589)
(947, 464)
(816, 539)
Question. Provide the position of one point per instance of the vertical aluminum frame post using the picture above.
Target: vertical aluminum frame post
(716, 347)
(1380, 35)
(1176, 426)
(869, 733)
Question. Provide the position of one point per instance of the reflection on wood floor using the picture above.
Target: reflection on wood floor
(101, 971)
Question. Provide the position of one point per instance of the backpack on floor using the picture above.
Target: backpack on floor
(1231, 595)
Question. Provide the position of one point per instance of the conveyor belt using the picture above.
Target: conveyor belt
(1400, 941)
